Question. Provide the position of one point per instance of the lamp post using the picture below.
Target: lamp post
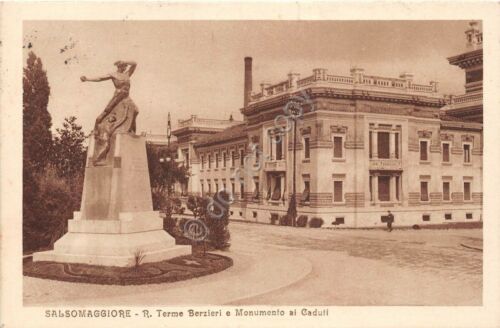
(167, 158)
(295, 112)
(169, 131)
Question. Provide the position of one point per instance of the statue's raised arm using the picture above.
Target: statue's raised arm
(131, 67)
(120, 113)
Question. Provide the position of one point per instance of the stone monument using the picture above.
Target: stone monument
(116, 225)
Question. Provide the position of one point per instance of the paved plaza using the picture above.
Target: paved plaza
(275, 265)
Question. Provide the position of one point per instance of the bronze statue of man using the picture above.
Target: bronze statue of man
(120, 113)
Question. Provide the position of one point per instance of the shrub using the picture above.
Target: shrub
(302, 221)
(48, 209)
(316, 223)
(214, 212)
(169, 225)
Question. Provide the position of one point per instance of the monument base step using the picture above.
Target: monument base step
(121, 250)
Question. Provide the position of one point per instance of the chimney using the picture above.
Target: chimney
(248, 81)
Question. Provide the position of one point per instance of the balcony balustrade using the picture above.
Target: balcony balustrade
(387, 164)
(275, 166)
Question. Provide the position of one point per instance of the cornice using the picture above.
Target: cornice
(347, 94)
(467, 59)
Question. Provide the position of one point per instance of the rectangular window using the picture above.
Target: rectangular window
(396, 146)
(254, 214)
(370, 148)
(447, 216)
(446, 152)
(279, 147)
(424, 194)
(242, 158)
(371, 188)
(233, 155)
(446, 190)
(232, 188)
(224, 159)
(277, 189)
(423, 150)
(337, 147)
(466, 153)
(256, 190)
(426, 217)
(397, 186)
(306, 148)
(216, 187)
(384, 189)
(257, 154)
(338, 193)
(209, 161)
(468, 216)
(242, 190)
(383, 144)
(209, 187)
(216, 160)
(339, 220)
(467, 191)
(271, 144)
(202, 188)
(306, 192)
(202, 162)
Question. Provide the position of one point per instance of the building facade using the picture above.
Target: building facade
(365, 144)
(469, 106)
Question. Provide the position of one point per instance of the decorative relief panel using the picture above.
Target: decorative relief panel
(338, 129)
(424, 134)
(446, 137)
(305, 131)
(468, 138)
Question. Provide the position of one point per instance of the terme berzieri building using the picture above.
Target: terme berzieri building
(365, 144)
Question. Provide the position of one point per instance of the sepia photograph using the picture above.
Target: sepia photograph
(336, 167)
(250, 168)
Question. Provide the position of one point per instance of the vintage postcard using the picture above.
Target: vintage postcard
(259, 164)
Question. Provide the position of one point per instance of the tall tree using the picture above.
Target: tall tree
(68, 155)
(37, 137)
(37, 142)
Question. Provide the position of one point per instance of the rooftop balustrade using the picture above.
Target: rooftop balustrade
(358, 80)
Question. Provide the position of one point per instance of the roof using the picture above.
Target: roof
(229, 134)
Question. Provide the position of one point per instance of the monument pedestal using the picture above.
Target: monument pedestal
(116, 225)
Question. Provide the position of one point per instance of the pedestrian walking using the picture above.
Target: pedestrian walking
(390, 219)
